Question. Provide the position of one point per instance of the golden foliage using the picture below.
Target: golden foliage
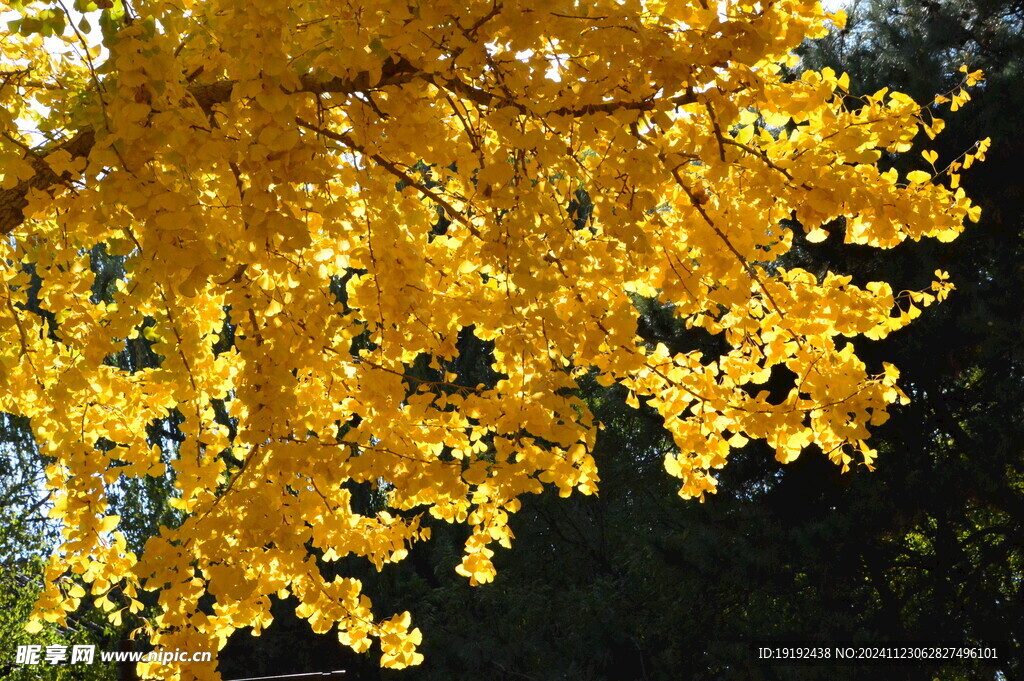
(245, 155)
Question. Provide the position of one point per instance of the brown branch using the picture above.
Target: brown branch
(490, 99)
(21, 329)
(206, 96)
(698, 205)
(14, 200)
(718, 130)
(764, 158)
(496, 8)
(397, 172)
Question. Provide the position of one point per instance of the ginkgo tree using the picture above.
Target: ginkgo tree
(320, 205)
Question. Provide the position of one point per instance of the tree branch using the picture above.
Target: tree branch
(394, 72)
(397, 172)
(14, 200)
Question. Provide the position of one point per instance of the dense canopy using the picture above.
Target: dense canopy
(321, 209)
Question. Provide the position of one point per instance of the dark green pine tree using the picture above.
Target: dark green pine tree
(946, 559)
